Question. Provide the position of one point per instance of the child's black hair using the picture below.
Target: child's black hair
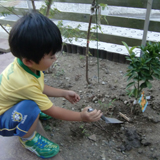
(33, 36)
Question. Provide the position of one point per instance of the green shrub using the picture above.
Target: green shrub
(142, 70)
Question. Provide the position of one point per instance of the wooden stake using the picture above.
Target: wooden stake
(125, 117)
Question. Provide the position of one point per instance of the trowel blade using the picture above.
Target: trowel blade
(112, 120)
(107, 119)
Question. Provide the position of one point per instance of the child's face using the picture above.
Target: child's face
(44, 63)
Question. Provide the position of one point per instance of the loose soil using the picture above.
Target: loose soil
(138, 139)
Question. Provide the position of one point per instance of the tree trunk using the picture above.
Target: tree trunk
(33, 5)
(48, 7)
(87, 48)
(88, 38)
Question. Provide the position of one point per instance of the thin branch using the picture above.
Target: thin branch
(87, 48)
(10, 10)
(4, 28)
(88, 36)
(48, 7)
(33, 5)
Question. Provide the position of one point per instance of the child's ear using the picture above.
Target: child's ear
(27, 62)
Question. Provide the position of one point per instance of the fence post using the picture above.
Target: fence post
(146, 24)
(29, 5)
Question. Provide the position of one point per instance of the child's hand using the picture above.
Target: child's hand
(90, 116)
(72, 97)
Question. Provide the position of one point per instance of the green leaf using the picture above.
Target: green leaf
(149, 78)
(149, 85)
(148, 60)
(156, 76)
(143, 85)
(145, 67)
(145, 73)
(131, 49)
(157, 71)
(5, 13)
(103, 5)
(125, 44)
(130, 84)
(129, 59)
(105, 19)
(130, 77)
(131, 92)
(135, 93)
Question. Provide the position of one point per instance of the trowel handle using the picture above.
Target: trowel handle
(102, 117)
(90, 109)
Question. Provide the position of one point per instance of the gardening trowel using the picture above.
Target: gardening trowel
(107, 119)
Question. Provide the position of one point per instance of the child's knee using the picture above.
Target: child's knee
(28, 107)
(21, 118)
(29, 110)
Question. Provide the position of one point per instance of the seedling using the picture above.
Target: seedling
(81, 57)
(59, 73)
(84, 131)
(104, 105)
(47, 10)
(69, 32)
(111, 103)
(103, 6)
(48, 127)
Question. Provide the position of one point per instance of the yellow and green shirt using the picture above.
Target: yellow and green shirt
(18, 83)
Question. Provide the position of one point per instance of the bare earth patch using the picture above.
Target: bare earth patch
(138, 139)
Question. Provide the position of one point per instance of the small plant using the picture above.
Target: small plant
(103, 6)
(48, 127)
(83, 131)
(59, 73)
(104, 105)
(142, 70)
(111, 103)
(81, 57)
(95, 8)
(7, 11)
(69, 32)
(47, 10)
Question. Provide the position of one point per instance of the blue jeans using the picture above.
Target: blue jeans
(18, 119)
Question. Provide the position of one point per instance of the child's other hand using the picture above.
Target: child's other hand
(72, 97)
(90, 116)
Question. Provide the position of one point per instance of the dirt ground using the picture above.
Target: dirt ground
(138, 139)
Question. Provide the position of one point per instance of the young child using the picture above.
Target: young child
(34, 40)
